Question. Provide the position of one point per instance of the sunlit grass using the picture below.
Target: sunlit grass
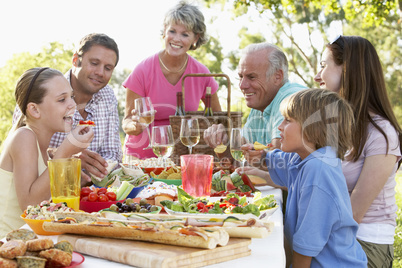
(398, 231)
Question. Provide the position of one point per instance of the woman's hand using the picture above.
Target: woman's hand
(131, 124)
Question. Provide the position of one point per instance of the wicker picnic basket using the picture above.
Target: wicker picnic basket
(228, 119)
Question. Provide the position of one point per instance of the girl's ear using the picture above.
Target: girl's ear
(33, 110)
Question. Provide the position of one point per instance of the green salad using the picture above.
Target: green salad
(232, 203)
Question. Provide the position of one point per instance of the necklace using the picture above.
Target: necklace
(175, 72)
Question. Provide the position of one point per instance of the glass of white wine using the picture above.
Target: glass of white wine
(189, 133)
(162, 142)
(146, 114)
(236, 141)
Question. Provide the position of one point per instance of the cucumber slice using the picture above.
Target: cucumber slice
(231, 219)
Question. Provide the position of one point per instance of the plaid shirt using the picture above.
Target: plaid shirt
(102, 109)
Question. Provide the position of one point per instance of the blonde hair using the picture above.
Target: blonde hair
(191, 17)
(325, 117)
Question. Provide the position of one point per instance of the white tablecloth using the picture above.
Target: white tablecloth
(267, 252)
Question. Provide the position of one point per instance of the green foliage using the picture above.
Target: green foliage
(398, 229)
(55, 55)
(210, 54)
(376, 20)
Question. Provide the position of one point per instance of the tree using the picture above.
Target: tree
(55, 55)
(315, 18)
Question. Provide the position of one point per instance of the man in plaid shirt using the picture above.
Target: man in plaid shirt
(93, 63)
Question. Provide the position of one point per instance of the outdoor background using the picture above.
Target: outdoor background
(44, 32)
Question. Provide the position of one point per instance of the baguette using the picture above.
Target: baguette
(179, 236)
(239, 228)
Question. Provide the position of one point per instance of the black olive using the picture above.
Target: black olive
(119, 204)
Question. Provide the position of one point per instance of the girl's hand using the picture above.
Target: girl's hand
(75, 142)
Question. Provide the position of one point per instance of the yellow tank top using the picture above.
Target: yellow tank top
(10, 210)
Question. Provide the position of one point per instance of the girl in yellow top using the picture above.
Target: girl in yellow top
(45, 98)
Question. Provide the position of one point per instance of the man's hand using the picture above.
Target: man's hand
(215, 135)
(253, 157)
(93, 163)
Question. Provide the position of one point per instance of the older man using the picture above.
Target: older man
(93, 64)
(263, 72)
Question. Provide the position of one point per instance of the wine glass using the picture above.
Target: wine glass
(162, 142)
(236, 141)
(146, 114)
(189, 133)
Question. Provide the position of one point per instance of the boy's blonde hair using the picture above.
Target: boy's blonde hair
(326, 118)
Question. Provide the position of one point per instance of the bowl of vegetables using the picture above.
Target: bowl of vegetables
(94, 199)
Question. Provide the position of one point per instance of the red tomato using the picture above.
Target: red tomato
(92, 197)
(103, 198)
(85, 199)
(111, 196)
(204, 210)
(85, 191)
(102, 191)
(200, 205)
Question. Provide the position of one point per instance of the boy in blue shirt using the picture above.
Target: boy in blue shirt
(319, 224)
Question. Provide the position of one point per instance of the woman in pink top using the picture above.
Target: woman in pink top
(159, 77)
(350, 66)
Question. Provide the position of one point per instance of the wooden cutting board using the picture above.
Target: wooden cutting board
(146, 254)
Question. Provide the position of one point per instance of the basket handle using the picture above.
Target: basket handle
(207, 75)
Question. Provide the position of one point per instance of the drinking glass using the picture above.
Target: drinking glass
(236, 141)
(162, 142)
(189, 133)
(196, 170)
(65, 181)
(146, 114)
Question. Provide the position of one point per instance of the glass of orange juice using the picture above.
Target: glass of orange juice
(65, 181)
(196, 170)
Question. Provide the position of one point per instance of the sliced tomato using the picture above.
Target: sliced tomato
(200, 205)
(204, 209)
(187, 232)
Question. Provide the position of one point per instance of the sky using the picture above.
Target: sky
(135, 25)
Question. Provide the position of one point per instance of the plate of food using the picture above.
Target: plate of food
(264, 214)
(258, 207)
(77, 259)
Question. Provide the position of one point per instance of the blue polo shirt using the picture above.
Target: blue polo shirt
(318, 220)
(264, 125)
